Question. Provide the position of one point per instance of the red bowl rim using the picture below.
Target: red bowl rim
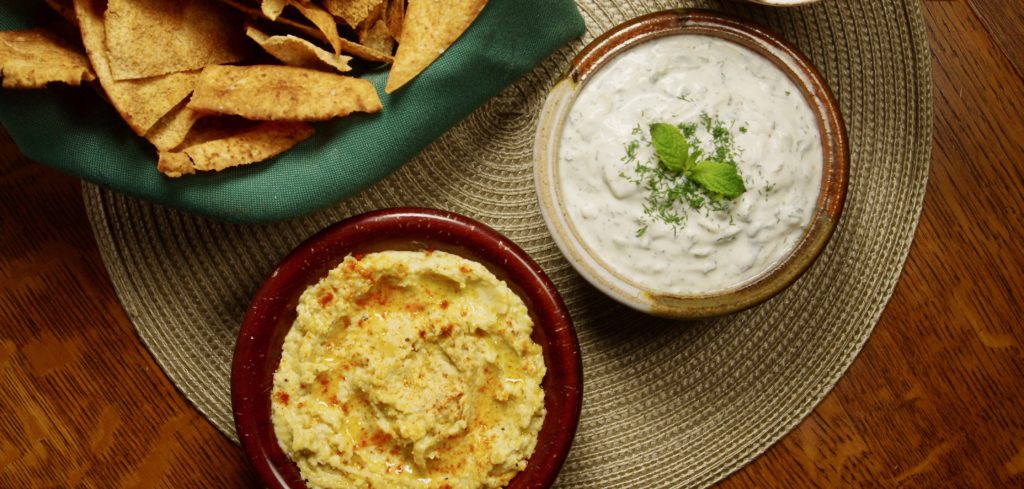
(257, 351)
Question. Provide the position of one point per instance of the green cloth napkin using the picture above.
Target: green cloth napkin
(72, 130)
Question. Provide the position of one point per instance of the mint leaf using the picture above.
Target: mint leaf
(672, 149)
(678, 177)
(720, 178)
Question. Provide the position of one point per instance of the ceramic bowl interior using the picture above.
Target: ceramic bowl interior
(796, 66)
(272, 313)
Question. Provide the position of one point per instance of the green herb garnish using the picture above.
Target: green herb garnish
(719, 178)
(673, 150)
(680, 175)
(676, 154)
(631, 150)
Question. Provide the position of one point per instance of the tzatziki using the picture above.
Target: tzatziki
(738, 112)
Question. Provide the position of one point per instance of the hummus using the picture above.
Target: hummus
(409, 369)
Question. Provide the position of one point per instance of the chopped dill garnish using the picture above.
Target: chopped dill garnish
(721, 138)
(689, 129)
(680, 185)
(631, 151)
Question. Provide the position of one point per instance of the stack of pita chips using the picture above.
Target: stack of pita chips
(214, 85)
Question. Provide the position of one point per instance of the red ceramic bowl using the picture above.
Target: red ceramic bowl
(272, 313)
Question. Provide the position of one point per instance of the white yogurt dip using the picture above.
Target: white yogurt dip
(776, 148)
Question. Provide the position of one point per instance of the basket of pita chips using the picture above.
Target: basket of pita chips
(228, 107)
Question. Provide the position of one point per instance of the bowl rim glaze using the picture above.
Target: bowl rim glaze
(784, 3)
(272, 311)
(760, 40)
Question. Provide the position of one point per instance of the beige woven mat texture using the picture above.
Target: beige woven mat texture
(666, 404)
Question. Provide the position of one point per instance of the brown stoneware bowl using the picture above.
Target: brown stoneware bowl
(796, 66)
(272, 313)
(784, 3)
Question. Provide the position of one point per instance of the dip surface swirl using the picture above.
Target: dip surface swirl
(681, 79)
(409, 369)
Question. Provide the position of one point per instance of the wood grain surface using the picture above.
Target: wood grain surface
(936, 399)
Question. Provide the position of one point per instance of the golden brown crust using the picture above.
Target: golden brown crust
(282, 93)
(140, 102)
(353, 12)
(430, 27)
(34, 58)
(298, 52)
(231, 146)
(146, 38)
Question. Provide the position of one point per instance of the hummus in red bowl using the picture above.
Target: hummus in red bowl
(407, 348)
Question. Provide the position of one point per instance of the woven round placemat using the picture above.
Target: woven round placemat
(666, 404)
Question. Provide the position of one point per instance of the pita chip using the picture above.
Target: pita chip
(256, 13)
(364, 52)
(225, 143)
(147, 38)
(430, 27)
(140, 102)
(322, 20)
(34, 58)
(394, 15)
(272, 8)
(170, 131)
(353, 12)
(377, 37)
(295, 51)
(281, 93)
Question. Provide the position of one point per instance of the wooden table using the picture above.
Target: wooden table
(935, 399)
